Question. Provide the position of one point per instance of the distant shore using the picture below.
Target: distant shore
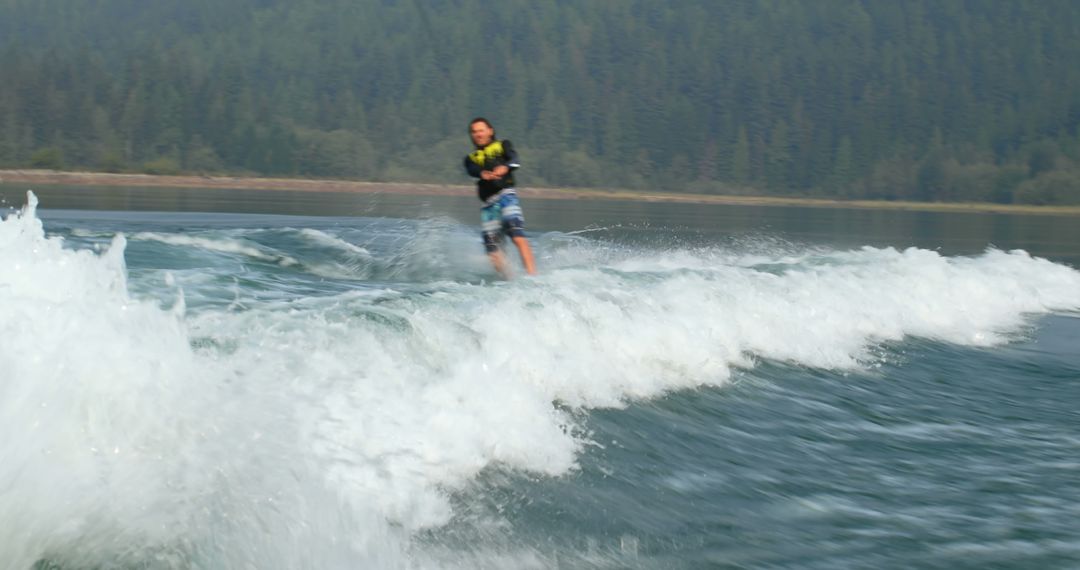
(60, 178)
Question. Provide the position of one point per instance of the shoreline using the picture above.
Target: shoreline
(61, 178)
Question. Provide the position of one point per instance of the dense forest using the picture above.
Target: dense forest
(952, 100)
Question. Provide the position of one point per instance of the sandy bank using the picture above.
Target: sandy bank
(90, 179)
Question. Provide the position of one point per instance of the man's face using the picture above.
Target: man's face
(481, 133)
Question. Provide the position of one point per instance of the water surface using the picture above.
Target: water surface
(227, 379)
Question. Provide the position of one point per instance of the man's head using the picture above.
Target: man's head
(481, 131)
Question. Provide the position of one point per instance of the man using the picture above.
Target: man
(493, 164)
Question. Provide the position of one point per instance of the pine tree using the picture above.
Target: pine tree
(740, 162)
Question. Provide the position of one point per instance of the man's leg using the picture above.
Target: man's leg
(526, 254)
(514, 224)
(492, 240)
(499, 261)
(491, 228)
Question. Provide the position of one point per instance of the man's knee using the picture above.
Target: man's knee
(491, 241)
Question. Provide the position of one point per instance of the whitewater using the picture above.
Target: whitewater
(267, 395)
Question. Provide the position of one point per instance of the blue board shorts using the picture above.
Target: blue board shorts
(501, 215)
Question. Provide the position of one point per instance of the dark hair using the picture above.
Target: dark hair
(481, 120)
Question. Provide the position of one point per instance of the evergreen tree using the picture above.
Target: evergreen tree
(813, 98)
(740, 162)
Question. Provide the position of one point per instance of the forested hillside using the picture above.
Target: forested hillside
(913, 99)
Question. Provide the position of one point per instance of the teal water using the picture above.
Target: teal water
(208, 379)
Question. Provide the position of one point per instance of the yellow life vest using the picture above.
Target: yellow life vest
(489, 153)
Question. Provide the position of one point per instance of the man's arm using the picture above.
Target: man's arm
(511, 156)
(472, 168)
(509, 161)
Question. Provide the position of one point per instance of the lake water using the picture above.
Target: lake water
(264, 379)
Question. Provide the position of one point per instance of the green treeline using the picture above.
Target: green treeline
(954, 100)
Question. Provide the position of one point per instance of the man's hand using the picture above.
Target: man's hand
(495, 173)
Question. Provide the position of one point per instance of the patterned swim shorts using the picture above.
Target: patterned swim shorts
(502, 215)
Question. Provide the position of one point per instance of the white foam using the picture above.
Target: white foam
(83, 365)
(122, 445)
(325, 239)
(222, 245)
(325, 431)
